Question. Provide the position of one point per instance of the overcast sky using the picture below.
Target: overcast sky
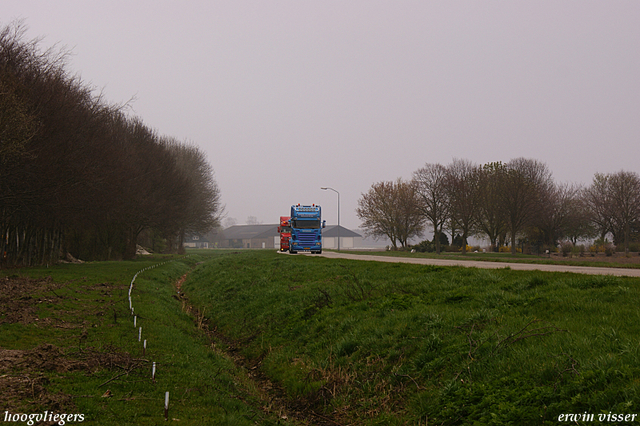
(290, 96)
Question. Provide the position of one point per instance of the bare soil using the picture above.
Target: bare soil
(20, 298)
(17, 303)
(24, 373)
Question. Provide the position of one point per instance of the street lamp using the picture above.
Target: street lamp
(325, 188)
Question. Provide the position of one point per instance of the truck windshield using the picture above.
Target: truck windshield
(285, 229)
(305, 223)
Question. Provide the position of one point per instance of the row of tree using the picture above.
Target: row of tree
(503, 202)
(78, 175)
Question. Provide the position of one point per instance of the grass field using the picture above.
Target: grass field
(68, 345)
(373, 343)
(255, 336)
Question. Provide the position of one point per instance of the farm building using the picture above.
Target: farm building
(196, 241)
(266, 236)
(348, 238)
(250, 236)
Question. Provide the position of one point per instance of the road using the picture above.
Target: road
(621, 272)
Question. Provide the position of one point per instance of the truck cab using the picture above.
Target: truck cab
(306, 229)
(285, 232)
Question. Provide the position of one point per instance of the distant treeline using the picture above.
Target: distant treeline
(79, 176)
(515, 203)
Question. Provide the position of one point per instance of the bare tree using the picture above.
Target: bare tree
(560, 209)
(229, 221)
(252, 220)
(463, 192)
(76, 174)
(525, 182)
(624, 195)
(597, 201)
(491, 214)
(17, 124)
(202, 208)
(579, 225)
(431, 190)
(391, 209)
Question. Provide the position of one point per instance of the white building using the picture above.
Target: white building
(348, 238)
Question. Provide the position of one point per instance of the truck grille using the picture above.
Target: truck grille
(307, 239)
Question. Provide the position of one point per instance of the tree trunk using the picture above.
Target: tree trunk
(181, 249)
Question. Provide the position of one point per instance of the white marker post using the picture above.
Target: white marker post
(166, 406)
(134, 321)
(153, 372)
(140, 334)
(144, 347)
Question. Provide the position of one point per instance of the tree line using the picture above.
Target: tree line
(80, 176)
(506, 203)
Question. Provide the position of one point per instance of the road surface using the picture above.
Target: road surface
(621, 272)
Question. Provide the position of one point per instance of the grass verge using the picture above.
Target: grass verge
(393, 344)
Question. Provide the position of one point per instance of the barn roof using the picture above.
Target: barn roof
(241, 232)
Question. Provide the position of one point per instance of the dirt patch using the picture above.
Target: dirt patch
(17, 301)
(23, 374)
(48, 357)
(21, 298)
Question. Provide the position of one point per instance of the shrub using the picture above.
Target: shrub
(609, 249)
(507, 249)
(565, 248)
(425, 246)
(634, 247)
(601, 245)
(444, 240)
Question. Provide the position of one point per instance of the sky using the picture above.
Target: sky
(286, 97)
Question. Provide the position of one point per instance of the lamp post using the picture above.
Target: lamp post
(325, 188)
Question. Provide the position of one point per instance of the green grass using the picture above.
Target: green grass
(363, 343)
(377, 343)
(92, 300)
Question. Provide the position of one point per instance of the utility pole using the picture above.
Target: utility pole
(325, 188)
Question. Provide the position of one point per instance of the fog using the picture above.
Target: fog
(287, 97)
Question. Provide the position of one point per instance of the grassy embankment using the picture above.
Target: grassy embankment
(68, 345)
(378, 343)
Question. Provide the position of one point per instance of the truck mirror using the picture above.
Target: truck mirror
(324, 223)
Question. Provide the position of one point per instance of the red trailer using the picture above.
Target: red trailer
(285, 232)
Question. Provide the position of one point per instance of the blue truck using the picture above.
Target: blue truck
(306, 229)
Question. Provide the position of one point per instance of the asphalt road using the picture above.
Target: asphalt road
(621, 272)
